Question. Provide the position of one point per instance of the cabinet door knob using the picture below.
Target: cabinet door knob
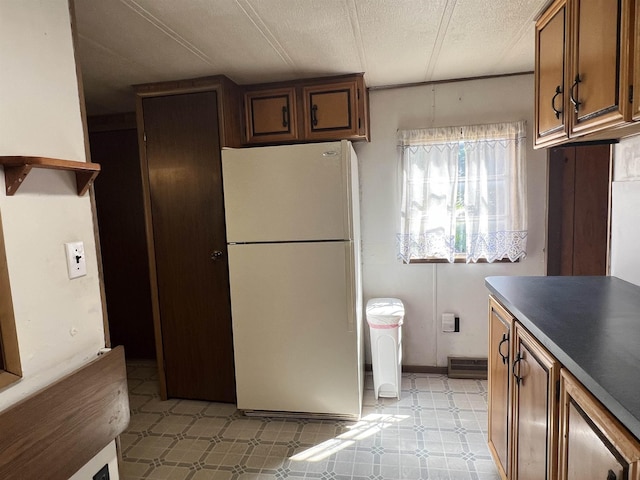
(505, 358)
(553, 102)
(576, 103)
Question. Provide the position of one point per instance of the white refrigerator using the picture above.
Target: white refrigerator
(293, 233)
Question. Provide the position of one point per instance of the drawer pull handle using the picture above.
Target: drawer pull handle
(505, 359)
(576, 103)
(516, 362)
(553, 102)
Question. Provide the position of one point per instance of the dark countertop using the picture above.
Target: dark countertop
(591, 325)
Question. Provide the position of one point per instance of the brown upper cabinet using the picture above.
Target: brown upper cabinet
(591, 91)
(328, 108)
(331, 110)
(229, 96)
(601, 57)
(271, 114)
(551, 126)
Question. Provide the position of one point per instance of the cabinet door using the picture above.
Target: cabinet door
(331, 111)
(535, 377)
(599, 74)
(593, 444)
(636, 65)
(271, 115)
(549, 75)
(500, 328)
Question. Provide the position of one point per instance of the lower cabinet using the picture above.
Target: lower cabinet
(593, 444)
(544, 424)
(534, 409)
(499, 429)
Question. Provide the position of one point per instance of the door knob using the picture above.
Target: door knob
(216, 254)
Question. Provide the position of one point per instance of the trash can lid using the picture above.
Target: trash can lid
(385, 311)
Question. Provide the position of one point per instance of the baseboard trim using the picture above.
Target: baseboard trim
(415, 369)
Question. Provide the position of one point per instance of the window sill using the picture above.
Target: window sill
(458, 260)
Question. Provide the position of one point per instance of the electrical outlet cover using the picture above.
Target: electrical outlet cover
(448, 322)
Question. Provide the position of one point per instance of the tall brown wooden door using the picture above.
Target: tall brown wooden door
(186, 202)
(578, 225)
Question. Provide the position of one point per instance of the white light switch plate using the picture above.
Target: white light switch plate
(75, 259)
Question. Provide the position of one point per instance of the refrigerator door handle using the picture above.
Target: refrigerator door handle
(351, 285)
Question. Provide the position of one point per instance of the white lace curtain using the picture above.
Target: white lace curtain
(464, 193)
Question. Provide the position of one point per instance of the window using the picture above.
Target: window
(464, 193)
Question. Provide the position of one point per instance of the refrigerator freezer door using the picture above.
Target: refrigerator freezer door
(288, 193)
(295, 342)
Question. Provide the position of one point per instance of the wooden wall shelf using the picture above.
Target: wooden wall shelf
(17, 168)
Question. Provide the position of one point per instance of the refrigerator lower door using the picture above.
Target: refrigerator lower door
(294, 333)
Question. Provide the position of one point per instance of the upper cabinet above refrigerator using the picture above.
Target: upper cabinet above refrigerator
(327, 108)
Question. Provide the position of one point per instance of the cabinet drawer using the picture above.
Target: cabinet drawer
(593, 444)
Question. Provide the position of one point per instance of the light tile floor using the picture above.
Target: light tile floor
(437, 430)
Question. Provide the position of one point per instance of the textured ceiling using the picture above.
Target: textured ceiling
(127, 42)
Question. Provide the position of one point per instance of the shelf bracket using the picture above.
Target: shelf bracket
(14, 176)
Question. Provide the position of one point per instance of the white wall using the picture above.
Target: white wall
(428, 290)
(59, 321)
(625, 205)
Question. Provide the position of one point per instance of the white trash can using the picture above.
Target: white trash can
(385, 317)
